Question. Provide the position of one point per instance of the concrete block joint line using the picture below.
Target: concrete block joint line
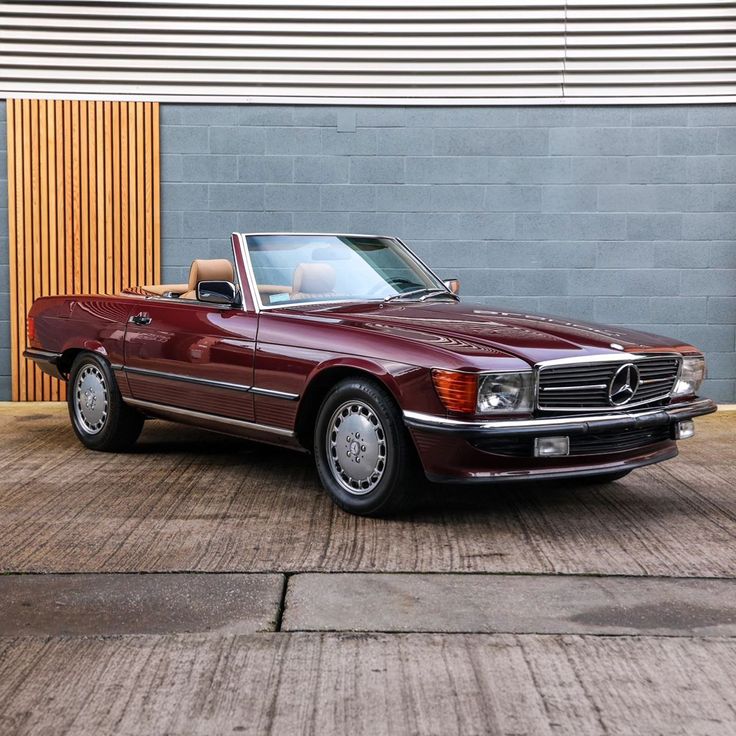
(622, 214)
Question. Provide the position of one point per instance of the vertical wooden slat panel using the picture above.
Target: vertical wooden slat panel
(124, 199)
(132, 198)
(35, 377)
(27, 267)
(68, 214)
(43, 380)
(148, 170)
(55, 254)
(76, 196)
(83, 210)
(12, 234)
(84, 174)
(116, 196)
(101, 229)
(156, 176)
(108, 244)
(141, 191)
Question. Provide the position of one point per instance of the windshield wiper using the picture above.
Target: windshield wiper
(439, 292)
(426, 291)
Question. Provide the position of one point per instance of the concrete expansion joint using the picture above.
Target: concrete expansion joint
(282, 601)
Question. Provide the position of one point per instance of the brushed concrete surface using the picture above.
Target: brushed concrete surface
(368, 684)
(190, 500)
(186, 500)
(543, 604)
(87, 605)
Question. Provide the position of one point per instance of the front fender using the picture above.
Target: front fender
(410, 385)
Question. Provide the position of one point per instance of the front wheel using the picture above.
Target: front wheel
(362, 451)
(100, 417)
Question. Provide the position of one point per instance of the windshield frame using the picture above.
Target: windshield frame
(255, 294)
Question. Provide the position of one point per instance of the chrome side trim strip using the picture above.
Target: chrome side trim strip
(214, 384)
(187, 379)
(704, 405)
(274, 394)
(210, 417)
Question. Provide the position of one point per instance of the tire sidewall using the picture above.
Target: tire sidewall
(102, 438)
(385, 495)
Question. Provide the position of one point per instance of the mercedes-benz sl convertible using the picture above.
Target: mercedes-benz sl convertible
(349, 347)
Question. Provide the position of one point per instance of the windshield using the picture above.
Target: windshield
(293, 269)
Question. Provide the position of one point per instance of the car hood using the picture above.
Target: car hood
(467, 328)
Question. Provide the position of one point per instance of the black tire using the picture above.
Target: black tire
(388, 450)
(100, 418)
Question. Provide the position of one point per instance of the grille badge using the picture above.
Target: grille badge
(623, 385)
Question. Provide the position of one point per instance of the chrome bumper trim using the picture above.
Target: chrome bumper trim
(555, 474)
(569, 424)
(45, 355)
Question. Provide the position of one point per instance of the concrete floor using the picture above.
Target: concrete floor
(528, 610)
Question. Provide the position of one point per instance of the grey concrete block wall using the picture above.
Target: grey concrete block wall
(624, 215)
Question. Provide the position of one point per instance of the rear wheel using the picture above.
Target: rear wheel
(363, 454)
(100, 418)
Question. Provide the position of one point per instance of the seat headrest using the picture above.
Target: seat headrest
(314, 278)
(215, 269)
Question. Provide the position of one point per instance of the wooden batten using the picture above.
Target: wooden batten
(83, 206)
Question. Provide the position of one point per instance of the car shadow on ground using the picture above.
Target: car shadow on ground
(430, 502)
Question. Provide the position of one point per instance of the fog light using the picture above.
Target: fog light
(684, 429)
(551, 446)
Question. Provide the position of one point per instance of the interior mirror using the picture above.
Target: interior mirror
(453, 285)
(217, 292)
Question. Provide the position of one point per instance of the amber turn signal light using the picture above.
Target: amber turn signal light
(457, 391)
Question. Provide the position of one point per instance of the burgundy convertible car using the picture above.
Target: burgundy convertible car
(349, 347)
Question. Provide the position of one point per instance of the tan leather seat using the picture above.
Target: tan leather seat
(215, 269)
(313, 280)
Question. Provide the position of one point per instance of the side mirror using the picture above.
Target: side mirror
(453, 285)
(217, 292)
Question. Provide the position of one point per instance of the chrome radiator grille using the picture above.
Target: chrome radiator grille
(587, 386)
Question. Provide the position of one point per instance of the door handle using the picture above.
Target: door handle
(141, 319)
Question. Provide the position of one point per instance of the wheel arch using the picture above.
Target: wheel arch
(71, 350)
(324, 377)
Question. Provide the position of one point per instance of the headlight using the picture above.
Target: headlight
(504, 392)
(691, 376)
(484, 393)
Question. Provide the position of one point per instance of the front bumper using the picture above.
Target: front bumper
(641, 419)
(455, 450)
